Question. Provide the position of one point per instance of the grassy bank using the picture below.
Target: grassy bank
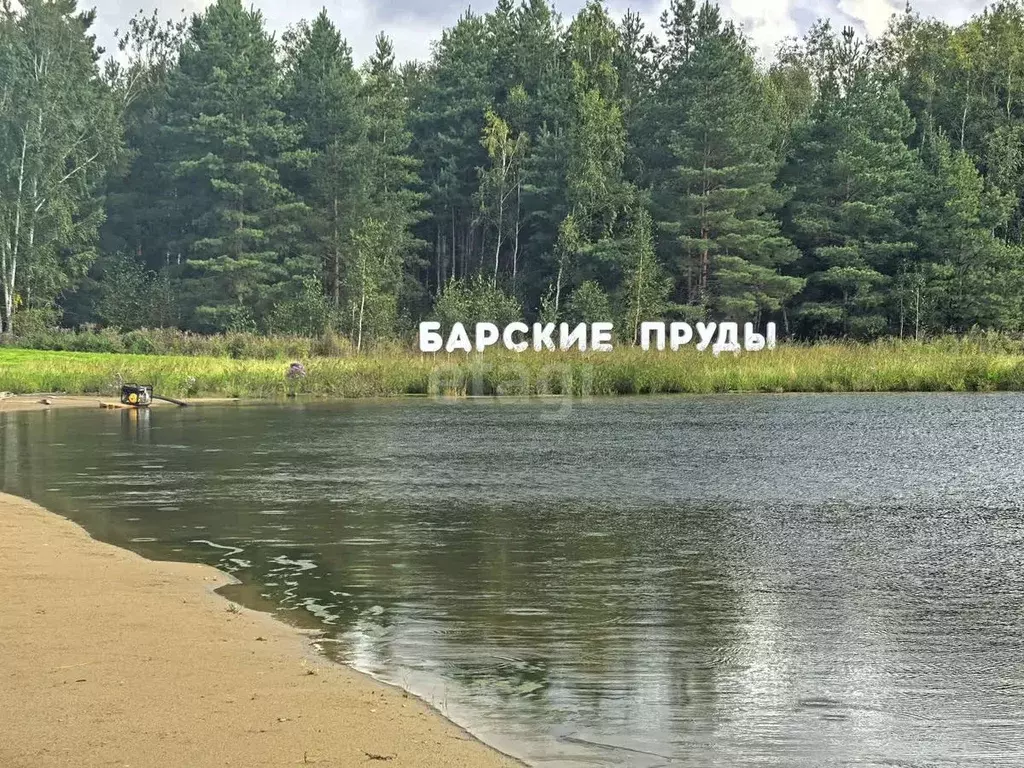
(171, 341)
(948, 365)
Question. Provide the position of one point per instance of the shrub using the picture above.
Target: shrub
(477, 300)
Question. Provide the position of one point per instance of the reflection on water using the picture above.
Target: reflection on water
(724, 581)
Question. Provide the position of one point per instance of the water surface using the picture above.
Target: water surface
(798, 581)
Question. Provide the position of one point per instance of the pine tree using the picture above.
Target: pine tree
(636, 63)
(228, 142)
(854, 179)
(595, 188)
(538, 68)
(447, 127)
(536, 109)
(322, 97)
(386, 251)
(962, 274)
(716, 201)
(545, 207)
(139, 214)
(645, 287)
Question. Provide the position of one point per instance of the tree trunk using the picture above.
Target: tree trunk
(704, 262)
(497, 247)
(501, 210)
(558, 287)
(336, 287)
(689, 279)
(515, 247)
(438, 253)
(362, 309)
(10, 253)
(31, 243)
(963, 119)
(901, 315)
(639, 283)
(454, 250)
(7, 321)
(917, 313)
(705, 257)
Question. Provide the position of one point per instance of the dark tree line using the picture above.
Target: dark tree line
(216, 178)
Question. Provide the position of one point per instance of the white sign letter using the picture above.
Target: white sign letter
(601, 337)
(430, 339)
(728, 339)
(679, 334)
(752, 342)
(659, 335)
(459, 339)
(706, 333)
(542, 336)
(486, 334)
(577, 338)
(506, 336)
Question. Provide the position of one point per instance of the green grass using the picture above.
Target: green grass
(890, 366)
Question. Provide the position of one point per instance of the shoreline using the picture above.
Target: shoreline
(45, 401)
(113, 659)
(33, 403)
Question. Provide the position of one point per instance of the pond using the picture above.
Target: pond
(788, 580)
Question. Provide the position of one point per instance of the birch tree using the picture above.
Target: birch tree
(59, 132)
(373, 272)
(500, 191)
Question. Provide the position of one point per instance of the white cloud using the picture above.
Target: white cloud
(873, 15)
(359, 21)
(413, 24)
(766, 23)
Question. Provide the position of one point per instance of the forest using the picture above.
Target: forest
(211, 177)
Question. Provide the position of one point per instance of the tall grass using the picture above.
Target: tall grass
(890, 366)
(171, 341)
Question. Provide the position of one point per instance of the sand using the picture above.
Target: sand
(9, 402)
(110, 659)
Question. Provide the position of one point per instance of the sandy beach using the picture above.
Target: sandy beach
(109, 659)
(11, 403)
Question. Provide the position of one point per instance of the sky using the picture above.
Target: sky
(414, 24)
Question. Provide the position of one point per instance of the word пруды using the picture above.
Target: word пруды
(594, 336)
